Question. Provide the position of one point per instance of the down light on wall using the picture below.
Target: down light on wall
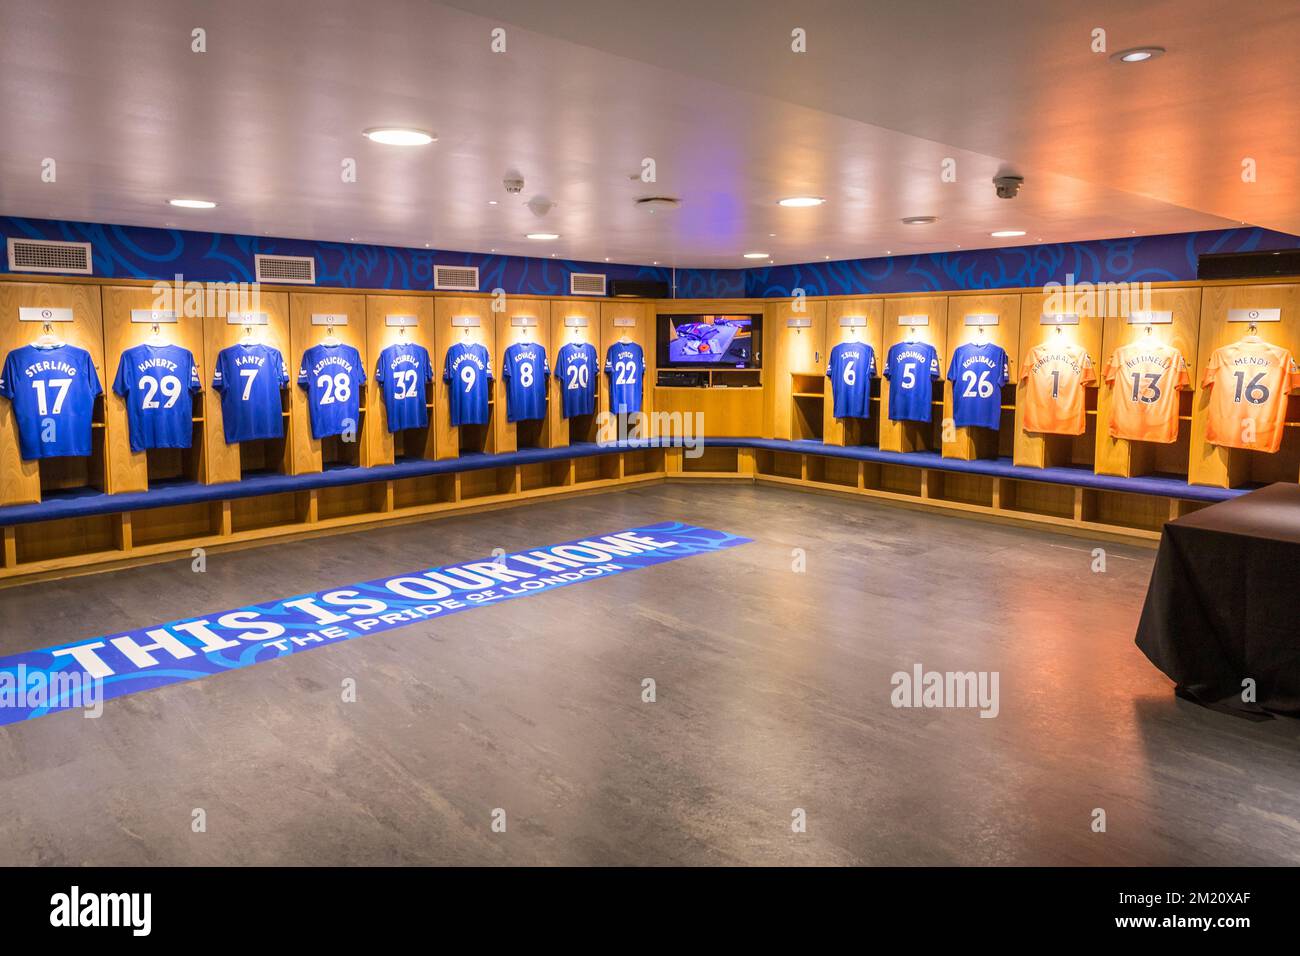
(798, 202)
(1138, 54)
(920, 220)
(756, 255)
(1007, 233)
(542, 236)
(398, 136)
(192, 203)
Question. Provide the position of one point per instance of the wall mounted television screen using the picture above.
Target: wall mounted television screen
(724, 341)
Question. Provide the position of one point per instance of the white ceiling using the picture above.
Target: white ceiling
(886, 92)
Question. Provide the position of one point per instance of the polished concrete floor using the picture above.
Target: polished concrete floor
(773, 694)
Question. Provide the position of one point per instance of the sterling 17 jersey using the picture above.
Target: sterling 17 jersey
(1054, 377)
(249, 379)
(978, 371)
(851, 367)
(53, 391)
(527, 375)
(625, 364)
(1249, 382)
(332, 377)
(467, 371)
(1144, 403)
(157, 382)
(576, 366)
(911, 368)
(403, 370)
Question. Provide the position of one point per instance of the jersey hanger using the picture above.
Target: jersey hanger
(331, 340)
(47, 339)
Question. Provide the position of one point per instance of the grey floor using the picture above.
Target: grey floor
(773, 694)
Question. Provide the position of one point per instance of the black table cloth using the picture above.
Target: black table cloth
(1224, 602)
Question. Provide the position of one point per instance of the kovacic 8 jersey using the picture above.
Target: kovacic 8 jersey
(468, 372)
(1144, 402)
(911, 368)
(978, 371)
(526, 374)
(403, 370)
(851, 367)
(577, 365)
(332, 377)
(249, 379)
(157, 382)
(1055, 377)
(53, 391)
(1249, 382)
(625, 365)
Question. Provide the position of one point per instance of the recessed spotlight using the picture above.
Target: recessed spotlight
(192, 203)
(920, 220)
(798, 202)
(398, 136)
(756, 255)
(1007, 233)
(492, 202)
(1138, 54)
(542, 235)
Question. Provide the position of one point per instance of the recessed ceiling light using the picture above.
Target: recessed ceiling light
(920, 220)
(800, 201)
(756, 255)
(1138, 54)
(1007, 233)
(398, 136)
(492, 202)
(193, 203)
(542, 235)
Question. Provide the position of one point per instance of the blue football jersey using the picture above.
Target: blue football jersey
(625, 365)
(403, 370)
(249, 379)
(467, 372)
(577, 365)
(157, 382)
(911, 368)
(851, 368)
(527, 375)
(332, 377)
(53, 391)
(978, 372)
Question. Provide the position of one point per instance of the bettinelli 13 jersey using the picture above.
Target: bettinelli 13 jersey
(1249, 382)
(911, 368)
(53, 391)
(332, 376)
(249, 379)
(526, 375)
(403, 370)
(1144, 402)
(1055, 376)
(467, 371)
(625, 365)
(576, 366)
(851, 367)
(157, 382)
(978, 371)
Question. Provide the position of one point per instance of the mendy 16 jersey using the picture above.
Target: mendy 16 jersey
(851, 367)
(526, 375)
(332, 377)
(249, 379)
(157, 382)
(53, 391)
(1249, 381)
(576, 365)
(978, 371)
(625, 365)
(467, 371)
(403, 371)
(911, 368)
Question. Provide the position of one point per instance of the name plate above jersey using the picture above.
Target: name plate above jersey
(1254, 315)
(523, 321)
(798, 323)
(981, 318)
(330, 319)
(465, 322)
(153, 317)
(853, 321)
(913, 320)
(29, 314)
(401, 321)
(1059, 318)
(1151, 318)
(247, 318)
(575, 321)
(627, 322)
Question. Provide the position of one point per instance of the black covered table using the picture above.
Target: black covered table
(1224, 602)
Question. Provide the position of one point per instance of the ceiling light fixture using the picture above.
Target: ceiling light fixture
(756, 255)
(542, 236)
(799, 202)
(1007, 233)
(920, 220)
(1138, 54)
(192, 203)
(398, 136)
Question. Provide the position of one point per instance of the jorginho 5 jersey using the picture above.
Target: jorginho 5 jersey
(249, 379)
(53, 391)
(1144, 402)
(625, 365)
(526, 374)
(851, 367)
(157, 381)
(403, 370)
(1249, 381)
(1054, 377)
(332, 377)
(468, 372)
(577, 365)
(978, 371)
(911, 368)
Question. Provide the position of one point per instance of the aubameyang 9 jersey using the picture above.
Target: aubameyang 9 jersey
(53, 391)
(978, 371)
(249, 379)
(157, 383)
(625, 365)
(403, 371)
(332, 376)
(467, 371)
(527, 375)
(576, 366)
(911, 368)
(851, 367)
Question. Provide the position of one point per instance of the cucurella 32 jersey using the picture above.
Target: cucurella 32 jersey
(403, 370)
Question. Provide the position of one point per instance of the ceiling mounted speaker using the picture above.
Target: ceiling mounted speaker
(1248, 265)
(638, 288)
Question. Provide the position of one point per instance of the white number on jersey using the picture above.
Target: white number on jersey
(170, 386)
(62, 384)
(578, 376)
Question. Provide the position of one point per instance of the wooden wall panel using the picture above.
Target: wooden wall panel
(910, 436)
(968, 444)
(790, 352)
(379, 335)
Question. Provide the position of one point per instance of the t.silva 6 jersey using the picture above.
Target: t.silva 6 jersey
(1249, 382)
(1144, 403)
(467, 371)
(1055, 377)
(403, 371)
(851, 368)
(978, 371)
(625, 365)
(911, 368)
(249, 379)
(53, 391)
(332, 377)
(527, 375)
(157, 382)
(577, 365)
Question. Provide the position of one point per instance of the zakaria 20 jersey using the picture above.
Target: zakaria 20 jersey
(1249, 382)
(403, 371)
(1144, 402)
(467, 371)
(53, 391)
(978, 371)
(157, 382)
(332, 377)
(625, 365)
(851, 368)
(1054, 376)
(911, 368)
(526, 375)
(576, 365)
(249, 379)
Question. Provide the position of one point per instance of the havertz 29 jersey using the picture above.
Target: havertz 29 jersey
(576, 366)
(851, 367)
(1144, 403)
(157, 382)
(53, 391)
(1249, 382)
(249, 379)
(978, 371)
(1055, 376)
(527, 374)
(402, 371)
(467, 371)
(332, 377)
(625, 364)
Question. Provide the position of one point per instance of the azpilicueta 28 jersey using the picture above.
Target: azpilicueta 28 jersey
(332, 377)
(1144, 401)
(53, 391)
(527, 374)
(625, 365)
(403, 370)
(249, 379)
(1249, 382)
(911, 368)
(978, 371)
(851, 367)
(1055, 377)
(576, 366)
(467, 371)
(157, 382)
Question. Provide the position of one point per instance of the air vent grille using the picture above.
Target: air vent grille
(296, 270)
(456, 278)
(47, 255)
(586, 283)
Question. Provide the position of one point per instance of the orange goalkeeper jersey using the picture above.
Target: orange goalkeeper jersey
(1054, 376)
(1146, 378)
(1249, 382)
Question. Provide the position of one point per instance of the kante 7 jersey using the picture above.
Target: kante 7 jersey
(467, 371)
(1055, 376)
(625, 365)
(403, 370)
(851, 367)
(332, 377)
(1144, 403)
(1249, 382)
(576, 365)
(249, 379)
(157, 382)
(978, 371)
(526, 375)
(53, 391)
(911, 368)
